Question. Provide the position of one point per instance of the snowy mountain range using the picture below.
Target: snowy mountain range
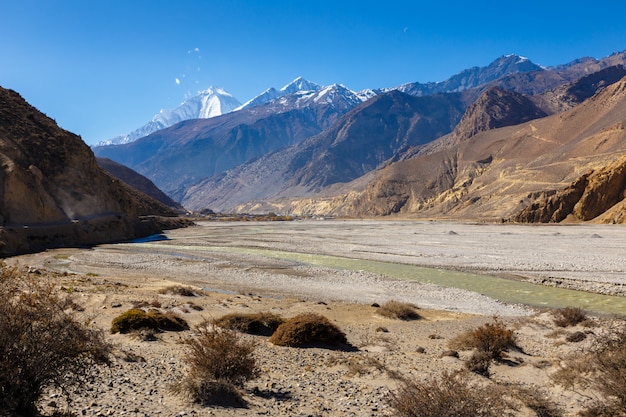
(208, 103)
(213, 102)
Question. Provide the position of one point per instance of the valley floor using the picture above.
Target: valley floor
(231, 263)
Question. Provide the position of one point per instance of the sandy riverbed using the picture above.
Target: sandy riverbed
(109, 279)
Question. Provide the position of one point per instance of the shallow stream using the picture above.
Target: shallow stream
(506, 290)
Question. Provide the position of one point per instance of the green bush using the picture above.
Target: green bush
(42, 344)
(308, 330)
(136, 319)
(261, 324)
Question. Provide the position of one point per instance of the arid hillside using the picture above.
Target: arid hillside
(495, 174)
(52, 192)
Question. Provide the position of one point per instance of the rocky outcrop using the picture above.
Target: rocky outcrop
(52, 192)
(496, 108)
(589, 197)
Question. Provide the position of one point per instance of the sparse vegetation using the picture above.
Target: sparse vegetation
(569, 316)
(451, 395)
(137, 319)
(538, 402)
(181, 290)
(398, 310)
(42, 343)
(604, 370)
(262, 324)
(479, 363)
(308, 329)
(220, 362)
(491, 339)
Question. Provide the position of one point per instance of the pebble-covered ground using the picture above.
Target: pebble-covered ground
(109, 279)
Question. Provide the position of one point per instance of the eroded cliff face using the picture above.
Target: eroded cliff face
(52, 192)
(597, 195)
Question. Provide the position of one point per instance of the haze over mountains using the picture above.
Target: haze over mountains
(300, 148)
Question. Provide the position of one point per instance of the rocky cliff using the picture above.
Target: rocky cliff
(52, 192)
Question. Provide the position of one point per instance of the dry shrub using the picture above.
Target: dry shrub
(451, 395)
(576, 337)
(180, 290)
(220, 362)
(358, 364)
(137, 319)
(262, 324)
(491, 338)
(479, 363)
(42, 343)
(398, 310)
(308, 330)
(213, 393)
(569, 316)
(604, 370)
(539, 402)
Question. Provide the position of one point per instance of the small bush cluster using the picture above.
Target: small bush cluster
(451, 395)
(180, 290)
(398, 310)
(261, 324)
(308, 330)
(42, 343)
(492, 339)
(220, 362)
(137, 319)
(569, 316)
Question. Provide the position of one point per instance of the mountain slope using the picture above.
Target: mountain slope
(137, 181)
(209, 103)
(359, 142)
(473, 77)
(52, 191)
(497, 173)
(196, 149)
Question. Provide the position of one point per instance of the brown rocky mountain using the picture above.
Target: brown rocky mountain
(52, 191)
(498, 173)
(195, 149)
(545, 79)
(138, 181)
(599, 194)
(357, 143)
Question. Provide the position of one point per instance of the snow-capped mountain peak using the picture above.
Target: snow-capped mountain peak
(299, 84)
(212, 102)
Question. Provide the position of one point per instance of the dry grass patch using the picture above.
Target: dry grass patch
(220, 362)
(308, 330)
(261, 324)
(137, 319)
(181, 290)
(453, 394)
(491, 338)
(603, 370)
(398, 310)
(569, 316)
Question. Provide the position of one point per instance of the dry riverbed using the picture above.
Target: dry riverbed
(110, 279)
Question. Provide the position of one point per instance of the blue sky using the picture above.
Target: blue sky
(103, 68)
